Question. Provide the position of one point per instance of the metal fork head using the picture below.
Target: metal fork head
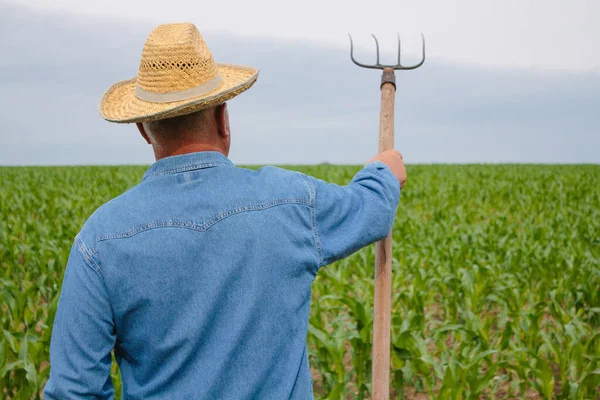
(377, 65)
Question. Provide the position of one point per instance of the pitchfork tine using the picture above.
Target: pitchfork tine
(377, 47)
(423, 55)
(399, 49)
(377, 65)
(354, 60)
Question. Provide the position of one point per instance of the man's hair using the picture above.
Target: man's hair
(196, 123)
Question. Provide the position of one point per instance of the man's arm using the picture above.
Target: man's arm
(83, 334)
(347, 218)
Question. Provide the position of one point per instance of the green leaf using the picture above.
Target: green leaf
(506, 336)
(12, 342)
(23, 349)
(11, 367)
(403, 354)
(31, 375)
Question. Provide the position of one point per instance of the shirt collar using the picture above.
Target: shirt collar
(187, 162)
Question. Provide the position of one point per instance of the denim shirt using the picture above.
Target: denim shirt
(200, 276)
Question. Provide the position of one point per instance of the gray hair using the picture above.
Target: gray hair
(196, 123)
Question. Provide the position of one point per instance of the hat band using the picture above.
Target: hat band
(168, 97)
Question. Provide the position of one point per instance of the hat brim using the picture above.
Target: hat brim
(120, 104)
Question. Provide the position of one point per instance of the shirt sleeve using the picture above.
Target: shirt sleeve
(83, 333)
(347, 218)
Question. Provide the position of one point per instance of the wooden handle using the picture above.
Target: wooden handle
(383, 264)
(386, 116)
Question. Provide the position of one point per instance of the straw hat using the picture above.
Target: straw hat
(177, 76)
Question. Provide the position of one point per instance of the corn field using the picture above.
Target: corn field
(496, 282)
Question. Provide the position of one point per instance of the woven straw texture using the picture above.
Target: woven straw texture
(175, 58)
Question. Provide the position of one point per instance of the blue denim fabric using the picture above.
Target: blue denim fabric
(200, 280)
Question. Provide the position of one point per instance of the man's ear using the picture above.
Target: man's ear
(222, 119)
(143, 132)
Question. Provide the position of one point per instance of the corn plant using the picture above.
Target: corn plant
(495, 283)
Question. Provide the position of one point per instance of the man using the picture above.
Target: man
(200, 277)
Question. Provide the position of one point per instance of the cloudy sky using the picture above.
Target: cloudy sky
(510, 81)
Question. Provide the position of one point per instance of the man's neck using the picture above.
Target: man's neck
(187, 148)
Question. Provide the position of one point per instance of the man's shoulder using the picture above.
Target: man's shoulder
(107, 215)
(262, 185)
(270, 170)
(279, 181)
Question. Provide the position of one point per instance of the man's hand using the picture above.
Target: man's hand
(393, 159)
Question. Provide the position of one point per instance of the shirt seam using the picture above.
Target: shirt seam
(312, 200)
(189, 167)
(200, 227)
(88, 256)
(89, 259)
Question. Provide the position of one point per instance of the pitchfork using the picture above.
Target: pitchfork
(383, 249)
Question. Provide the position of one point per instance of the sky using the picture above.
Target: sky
(511, 81)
